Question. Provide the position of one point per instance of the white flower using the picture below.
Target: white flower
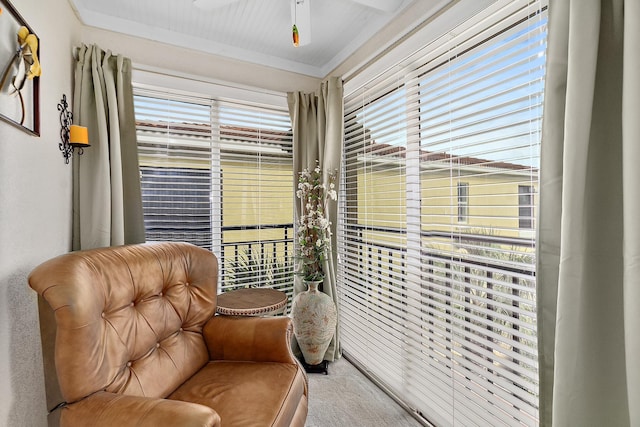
(313, 231)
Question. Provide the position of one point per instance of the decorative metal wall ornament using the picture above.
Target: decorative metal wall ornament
(71, 136)
(66, 118)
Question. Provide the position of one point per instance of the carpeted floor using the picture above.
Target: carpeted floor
(346, 398)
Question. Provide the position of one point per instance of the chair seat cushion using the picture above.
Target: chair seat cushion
(273, 391)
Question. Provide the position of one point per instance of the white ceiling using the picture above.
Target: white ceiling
(257, 31)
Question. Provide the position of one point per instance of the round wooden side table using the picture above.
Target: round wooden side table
(251, 302)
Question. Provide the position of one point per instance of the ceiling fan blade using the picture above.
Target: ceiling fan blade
(211, 4)
(383, 5)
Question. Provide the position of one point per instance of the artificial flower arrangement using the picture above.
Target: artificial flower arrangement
(314, 233)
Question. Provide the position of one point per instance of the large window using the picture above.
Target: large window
(218, 174)
(438, 283)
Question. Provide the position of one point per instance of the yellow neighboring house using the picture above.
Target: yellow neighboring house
(458, 195)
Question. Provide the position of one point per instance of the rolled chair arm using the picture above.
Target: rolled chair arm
(110, 409)
(257, 339)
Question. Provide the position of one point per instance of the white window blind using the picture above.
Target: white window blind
(437, 271)
(218, 173)
(175, 152)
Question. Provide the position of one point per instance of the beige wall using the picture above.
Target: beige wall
(35, 211)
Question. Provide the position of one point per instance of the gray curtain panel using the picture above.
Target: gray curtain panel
(589, 234)
(107, 203)
(318, 133)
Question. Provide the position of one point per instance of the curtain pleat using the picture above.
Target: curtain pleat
(107, 204)
(589, 238)
(318, 132)
(631, 206)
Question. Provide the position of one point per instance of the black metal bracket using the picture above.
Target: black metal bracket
(66, 119)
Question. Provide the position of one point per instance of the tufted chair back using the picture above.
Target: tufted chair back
(129, 319)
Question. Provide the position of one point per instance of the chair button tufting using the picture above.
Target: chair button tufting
(160, 294)
(129, 364)
(157, 345)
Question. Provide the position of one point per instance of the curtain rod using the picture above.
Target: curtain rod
(76, 49)
(202, 79)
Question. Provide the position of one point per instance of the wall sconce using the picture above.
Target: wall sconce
(71, 136)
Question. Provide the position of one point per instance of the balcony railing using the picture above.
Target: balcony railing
(258, 262)
(467, 297)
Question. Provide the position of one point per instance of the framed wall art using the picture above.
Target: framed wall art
(20, 71)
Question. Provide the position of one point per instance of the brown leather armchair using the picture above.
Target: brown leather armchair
(137, 343)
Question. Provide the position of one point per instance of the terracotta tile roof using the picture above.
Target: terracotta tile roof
(434, 156)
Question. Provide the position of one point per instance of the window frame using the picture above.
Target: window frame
(526, 207)
(233, 143)
(463, 202)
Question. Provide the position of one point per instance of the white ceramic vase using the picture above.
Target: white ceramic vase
(314, 322)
